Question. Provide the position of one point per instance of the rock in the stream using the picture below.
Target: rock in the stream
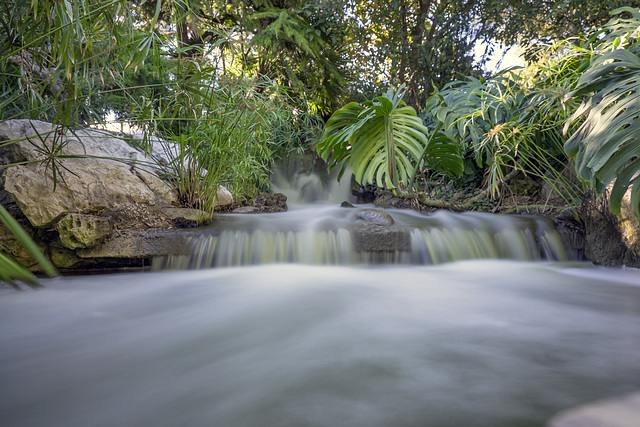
(374, 231)
(620, 411)
(375, 216)
(270, 202)
(374, 238)
(246, 210)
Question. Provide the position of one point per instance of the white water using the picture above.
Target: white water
(484, 343)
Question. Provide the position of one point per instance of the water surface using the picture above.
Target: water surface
(481, 343)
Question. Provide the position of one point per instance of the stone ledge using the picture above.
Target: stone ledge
(141, 245)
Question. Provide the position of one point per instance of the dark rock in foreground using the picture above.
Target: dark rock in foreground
(609, 239)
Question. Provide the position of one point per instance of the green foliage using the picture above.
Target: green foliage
(606, 146)
(157, 66)
(382, 140)
(293, 42)
(586, 88)
(512, 121)
(412, 42)
(56, 55)
(427, 43)
(227, 132)
(10, 269)
(121, 97)
(536, 21)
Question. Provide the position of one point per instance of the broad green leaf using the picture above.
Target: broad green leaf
(609, 137)
(383, 140)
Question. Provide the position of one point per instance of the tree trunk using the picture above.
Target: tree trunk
(460, 207)
(404, 44)
(417, 41)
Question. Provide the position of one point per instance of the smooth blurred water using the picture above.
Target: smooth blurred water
(482, 343)
(328, 235)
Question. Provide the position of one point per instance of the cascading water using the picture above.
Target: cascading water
(316, 231)
(326, 235)
(435, 321)
(304, 182)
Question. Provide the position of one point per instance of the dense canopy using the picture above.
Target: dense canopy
(241, 83)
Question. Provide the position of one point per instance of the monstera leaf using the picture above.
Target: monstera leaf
(382, 140)
(606, 146)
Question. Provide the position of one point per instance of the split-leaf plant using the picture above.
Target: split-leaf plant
(385, 143)
(606, 146)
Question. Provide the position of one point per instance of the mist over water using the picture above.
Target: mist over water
(475, 343)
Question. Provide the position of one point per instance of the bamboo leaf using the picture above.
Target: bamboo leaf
(27, 242)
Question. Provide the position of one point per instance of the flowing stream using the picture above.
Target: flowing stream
(477, 321)
(479, 343)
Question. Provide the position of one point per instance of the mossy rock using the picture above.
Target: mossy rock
(83, 231)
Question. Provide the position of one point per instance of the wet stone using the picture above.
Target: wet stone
(622, 411)
(370, 237)
(375, 216)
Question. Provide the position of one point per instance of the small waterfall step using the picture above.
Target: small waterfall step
(337, 236)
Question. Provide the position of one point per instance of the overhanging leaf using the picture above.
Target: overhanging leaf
(383, 140)
(607, 142)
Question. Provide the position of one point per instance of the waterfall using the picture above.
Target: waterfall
(324, 235)
(305, 180)
(316, 231)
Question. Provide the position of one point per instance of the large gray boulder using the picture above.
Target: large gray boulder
(35, 138)
(96, 171)
(92, 172)
(96, 187)
(82, 186)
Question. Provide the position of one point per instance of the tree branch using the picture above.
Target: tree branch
(460, 207)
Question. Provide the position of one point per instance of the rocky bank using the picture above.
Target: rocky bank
(88, 198)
